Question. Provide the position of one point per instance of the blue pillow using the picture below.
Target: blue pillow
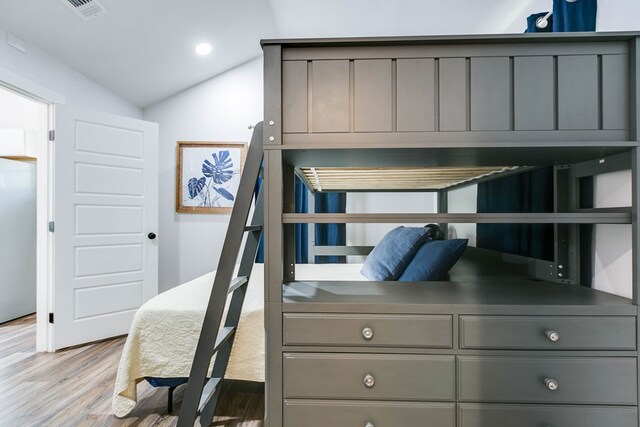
(433, 260)
(389, 258)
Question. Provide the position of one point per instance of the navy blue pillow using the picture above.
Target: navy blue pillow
(433, 260)
(389, 258)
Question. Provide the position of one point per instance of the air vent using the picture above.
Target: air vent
(86, 9)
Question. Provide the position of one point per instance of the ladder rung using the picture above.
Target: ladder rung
(207, 391)
(223, 336)
(237, 282)
(253, 228)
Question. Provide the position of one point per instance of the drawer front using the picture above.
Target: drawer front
(368, 330)
(390, 376)
(548, 332)
(478, 415)
(590, 380)
(338, 413)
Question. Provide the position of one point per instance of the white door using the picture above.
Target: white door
(105, 207)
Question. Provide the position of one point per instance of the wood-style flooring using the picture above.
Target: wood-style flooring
(73, 387)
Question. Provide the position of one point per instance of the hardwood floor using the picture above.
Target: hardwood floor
(73, 387)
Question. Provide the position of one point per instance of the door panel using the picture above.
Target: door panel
(105, 204)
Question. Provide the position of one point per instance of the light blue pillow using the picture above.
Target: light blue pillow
(389, 258)
(433, 260)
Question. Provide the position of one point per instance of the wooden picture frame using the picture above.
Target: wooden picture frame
(208, 175)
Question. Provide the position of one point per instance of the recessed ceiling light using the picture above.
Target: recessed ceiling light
(203, 49)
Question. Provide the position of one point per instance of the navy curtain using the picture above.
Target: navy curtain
(331, 234)
(533, 191)
(301, 233)
(527, 192)
(579, 15)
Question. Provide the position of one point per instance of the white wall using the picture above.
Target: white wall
(18, 112)
(612, 255)
(217, 110)
(463, 200)
(78, 90)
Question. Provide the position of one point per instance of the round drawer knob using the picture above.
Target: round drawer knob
(367, 333)
(369, 424)
(551, 384)
(553, 336)
(369, 381)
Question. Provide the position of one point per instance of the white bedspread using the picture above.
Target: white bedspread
(165, 331)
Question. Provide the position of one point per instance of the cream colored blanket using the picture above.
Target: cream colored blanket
(165, 331)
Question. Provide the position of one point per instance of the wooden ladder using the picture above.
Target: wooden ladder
(203, 388)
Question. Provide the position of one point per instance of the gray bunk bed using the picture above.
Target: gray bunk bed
(502, 343)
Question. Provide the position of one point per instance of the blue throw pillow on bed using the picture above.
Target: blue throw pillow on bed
(389, 258)
(433, 260)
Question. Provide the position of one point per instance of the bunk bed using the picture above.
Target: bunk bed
(509, 341)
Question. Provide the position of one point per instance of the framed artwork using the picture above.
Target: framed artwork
(208, 175)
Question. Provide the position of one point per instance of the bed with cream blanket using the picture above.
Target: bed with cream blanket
(165, 331)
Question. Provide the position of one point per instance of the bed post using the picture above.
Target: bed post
(567, 242)
(273, 237)
(289, 230)
(634, 122)
(273, 269)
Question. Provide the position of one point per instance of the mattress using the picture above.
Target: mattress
(165, 331)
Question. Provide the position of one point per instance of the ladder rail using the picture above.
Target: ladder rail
(217, 300)
(235, 310)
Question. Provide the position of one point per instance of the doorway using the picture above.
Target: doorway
(23, 134)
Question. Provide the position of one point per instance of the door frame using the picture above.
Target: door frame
(45, 199)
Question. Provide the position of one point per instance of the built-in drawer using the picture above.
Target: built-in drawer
(368, 330)
(369, 376)
(486, 415)
(341, 413)
(590, 380)
(548, 332)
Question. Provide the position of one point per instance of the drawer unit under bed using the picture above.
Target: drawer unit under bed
(557, 380)
(492, 415)
(369, 376)
(548, 332)
(373, 330)
(340, 413)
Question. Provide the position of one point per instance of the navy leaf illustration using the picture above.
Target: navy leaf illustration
(224, 193)
(195, 186)
(221, 170)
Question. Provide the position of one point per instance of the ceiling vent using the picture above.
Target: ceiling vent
(86, 9)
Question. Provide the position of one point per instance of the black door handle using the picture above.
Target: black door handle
(151, 236)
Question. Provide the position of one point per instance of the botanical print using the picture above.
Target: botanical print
(210, 176)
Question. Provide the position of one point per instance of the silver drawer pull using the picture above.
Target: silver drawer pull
(553, 336)
(551, 384)
(367, 333)
(369, 424)
(369, 381)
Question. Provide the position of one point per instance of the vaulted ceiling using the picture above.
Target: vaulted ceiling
(144, 49)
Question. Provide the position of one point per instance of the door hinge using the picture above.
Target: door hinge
(52, 226)
(52, 135)
(50, 317)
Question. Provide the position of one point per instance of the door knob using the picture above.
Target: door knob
(151, 236)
